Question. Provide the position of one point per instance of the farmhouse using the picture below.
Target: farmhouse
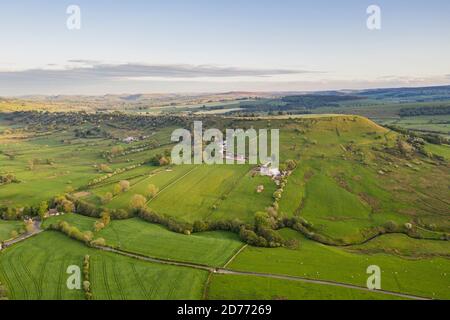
(129, 139)
(267, 170)
(53, 213)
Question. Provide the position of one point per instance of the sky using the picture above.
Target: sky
(166, 46)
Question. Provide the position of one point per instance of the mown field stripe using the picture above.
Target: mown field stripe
(105, 280)
(18, 278)
(139, 282)
(170, 184)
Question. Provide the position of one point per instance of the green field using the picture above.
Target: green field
(36, 269)
(81, 222)
(403, 246)
(135, 235)
(443, 150)
(374, 193)
(424, 277)
(6, 227)
(439, 124)
(231, 287)
(212, 193)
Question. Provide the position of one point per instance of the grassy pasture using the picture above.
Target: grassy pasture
(402, 245)
(345, 186)
(424, 277)
(442, 150)
(161, 178)
(59, 162)
(81, 222)
(138, 236)
(346, 183)
(36, 269)
(211, 192)
(233, 287)
(439, 124)
(135, 235)
(6, 227)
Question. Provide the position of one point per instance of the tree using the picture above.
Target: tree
(87, 236)
(98, 225)
(29, 226)
(107, 198)
(152, 191)
(138, 202)
(116, 150)
(105, 168)
(42, 210)
(124, 185)
(68, 206)
(391, 226)
(164, 161)
(99, 242)
(117, 189)
(263, 220)
(11, 214)
(105, 217)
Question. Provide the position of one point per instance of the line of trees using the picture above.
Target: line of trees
(424, 111)
(12, 213)
(72, 231)
(103, 222)
(169, 222)
(86, 278)
(429, 137)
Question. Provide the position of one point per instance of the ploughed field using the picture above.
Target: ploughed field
(366, 195)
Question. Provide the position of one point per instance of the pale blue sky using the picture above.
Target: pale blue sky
(220, 45)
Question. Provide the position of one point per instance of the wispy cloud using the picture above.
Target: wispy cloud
(93, 70)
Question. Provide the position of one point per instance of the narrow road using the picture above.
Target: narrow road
(256, 274)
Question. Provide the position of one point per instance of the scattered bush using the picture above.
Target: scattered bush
(124, 185)
(391, 226)
(8, 178)
(138, 202)
(152, 191)
(99, 242)
(104, 168)
(11, 214)
(107, 198)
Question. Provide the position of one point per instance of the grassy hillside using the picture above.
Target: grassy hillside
(352, 178)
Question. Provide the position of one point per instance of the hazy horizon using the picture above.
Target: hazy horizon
(198, 46)
(206, 93)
